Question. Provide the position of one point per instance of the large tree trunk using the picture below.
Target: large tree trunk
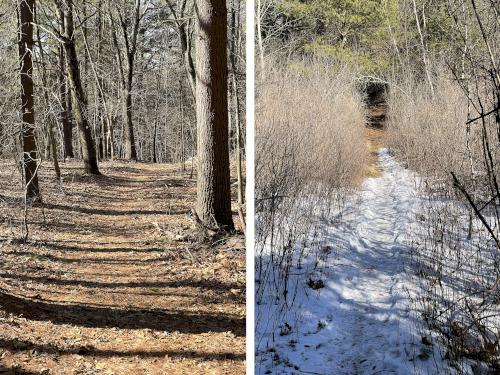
(30, 155)
(214, 190)
(89, 154)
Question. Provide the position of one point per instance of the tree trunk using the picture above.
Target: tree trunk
(66, 123)
(51, 144)
(424, 49)
(30, 154)
(89, 154)
(67, 126)
(131, 49)
(181, 110)
(106, 126)
(213, 187)
(129, 139)
(188, 60)
(236, 101)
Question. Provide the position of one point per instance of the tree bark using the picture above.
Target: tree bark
(30, 154)
(88, 149)
(213, 186)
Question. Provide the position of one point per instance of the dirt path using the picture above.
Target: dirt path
(375, 136)
(107, 283)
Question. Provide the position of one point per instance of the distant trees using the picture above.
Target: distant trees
(30, 154)
(353, 31)
(127, 75)
(184, 29)
(214, 190)
(162, 110)
(131, 79)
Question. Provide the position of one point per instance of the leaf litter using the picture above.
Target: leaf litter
(112, 279)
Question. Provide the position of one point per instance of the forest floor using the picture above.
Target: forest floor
(112, 279)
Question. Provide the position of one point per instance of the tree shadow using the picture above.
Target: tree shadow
(89, 249)
(123, 318)
(183, 283)
(108, 212)
(16, 370)
(109, 181)
(11, 201)
(99, 260)
(16, 345)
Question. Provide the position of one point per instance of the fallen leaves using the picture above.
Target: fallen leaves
(125, 286)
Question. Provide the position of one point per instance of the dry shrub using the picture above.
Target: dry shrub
(309, 129)
(310, 150)
(429, 132)
(455, 255)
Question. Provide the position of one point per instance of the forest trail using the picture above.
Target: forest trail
(360, 322)
(375, 136)
(109, 283)
(372, 330)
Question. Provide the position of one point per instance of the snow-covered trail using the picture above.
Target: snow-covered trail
(360, 322)
(369, 278)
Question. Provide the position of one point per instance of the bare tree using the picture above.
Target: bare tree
(130, 40)
(184, 27)
(423, 46)
(65, 98)
(30, 154)
(51, 144)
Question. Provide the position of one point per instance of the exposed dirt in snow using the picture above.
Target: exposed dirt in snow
(108, 283)
(375, 137)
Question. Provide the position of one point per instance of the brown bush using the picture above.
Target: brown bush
(309, 151)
